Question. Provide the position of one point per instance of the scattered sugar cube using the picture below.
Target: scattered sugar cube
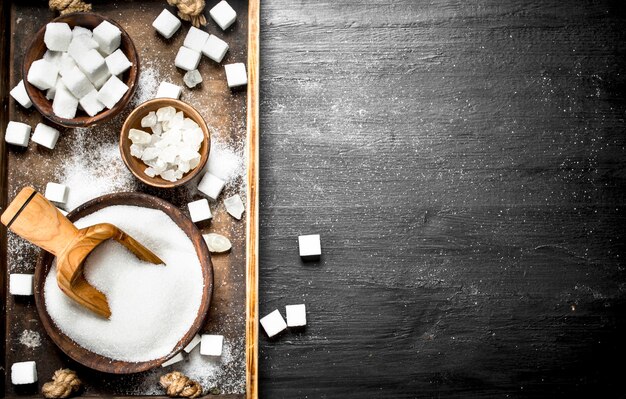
(20, 95)
(296, 315)
(58, 36)
(117, 62)
(273, 323)
(236, 74)
(194, 342)
(56, 192)
(77, 83)
(92, 64)
(199, 210)
(64, 104)
(112, 92)
(217, 243)
(173, 360)
(81, 31)
(211, 185)
(192, 78)
(139, 136)
(195, 39)
(168, 90)
(234, 206)
(215, 48)
(149, 120)
(42, 74)
(166, 24)
(211, 345)
(90, 103)
(108, 37)
(21, 284)
(17, 133)
(45, 135)
(187, 59)
(310, 246)
(24, 373)
(223, 14)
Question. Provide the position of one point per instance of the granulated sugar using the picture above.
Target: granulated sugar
(30, 339)
(226, 161)
(147, 86)
(152, 306)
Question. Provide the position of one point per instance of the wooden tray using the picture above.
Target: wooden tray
(86, 158)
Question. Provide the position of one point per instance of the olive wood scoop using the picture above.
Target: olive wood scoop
(31, 216)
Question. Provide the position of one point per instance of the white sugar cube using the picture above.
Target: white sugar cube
(234, 206)
(236, 74)
(211, 185)
(100, 78)
(50, 93)
(296, 315)
(112, 92)
(215, 48)
(64, 104)
(187, 59)
(56, 193)
(108, 37)
(24, 373)
(58, 36)
(139, 137)
(17, 133)
(166, 24)
(42, 74)
(81, 31)
(177, 358)
(199, 210)
(77, 83)
(20, 95)
(54, 57)
(80, 46)
(45, 135)
(192, 78)
(223, 14)
(168, 90)
(194, 342)
(66, 64)
(149, 120)
(195, 39)
(21, 284)
(211, 345)
(273, 323)
(310, 246)
(92, 64)
(117, 62)
(91, 104)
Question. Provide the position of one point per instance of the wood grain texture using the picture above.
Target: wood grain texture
(464, 163)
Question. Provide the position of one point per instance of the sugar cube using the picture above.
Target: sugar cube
(177, 358)
(273, 323)
(20, 95)
(53, 57)
(211, 345)
(80, 46)
(310, 246)
(24, 373)
(236, 74)
(66, 64)
(194, 342)
(166, 24)
(100, 78)
(192, 78)
(81, 31)
(90, 103)
(199, 210)
(211, 185)
(217, 243)
(45, 135)
(64, 104)
(77, 83)
(56, 192)
(296, 315)
(187, 59)
(223, 14)
(17, 133)
(195, 39)
(117, 62)
(50, 93)
(92, 64)
(21, 284)
(58, 36)
(168, 90)
(215, 48)
(112, 92)
(42, 74)
(234, 206)
(108, 37)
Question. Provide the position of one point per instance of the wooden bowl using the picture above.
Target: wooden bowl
(99, 362)
(136, 165)
(37, 49)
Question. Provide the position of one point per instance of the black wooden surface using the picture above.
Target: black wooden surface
(464, 162)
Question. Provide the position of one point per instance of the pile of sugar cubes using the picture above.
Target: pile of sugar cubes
(81, 68)
(210, 345)
(172, 148)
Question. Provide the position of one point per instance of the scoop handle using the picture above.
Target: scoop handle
(31, 216)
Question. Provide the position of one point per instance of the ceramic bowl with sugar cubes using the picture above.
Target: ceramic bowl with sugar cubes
(80, 69)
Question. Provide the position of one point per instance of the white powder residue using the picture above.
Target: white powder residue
(152, 306)
(147, 85)
(226, 161)
(30, 339)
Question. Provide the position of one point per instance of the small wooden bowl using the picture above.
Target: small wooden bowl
(37, 49)
(136, 165)
(99, 362)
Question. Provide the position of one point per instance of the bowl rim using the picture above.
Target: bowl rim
(104, 115)
(180, 106)
(100, 362)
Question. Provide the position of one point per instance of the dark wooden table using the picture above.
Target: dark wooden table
(464, 162)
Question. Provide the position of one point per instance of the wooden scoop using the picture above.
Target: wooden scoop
(31, 216)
